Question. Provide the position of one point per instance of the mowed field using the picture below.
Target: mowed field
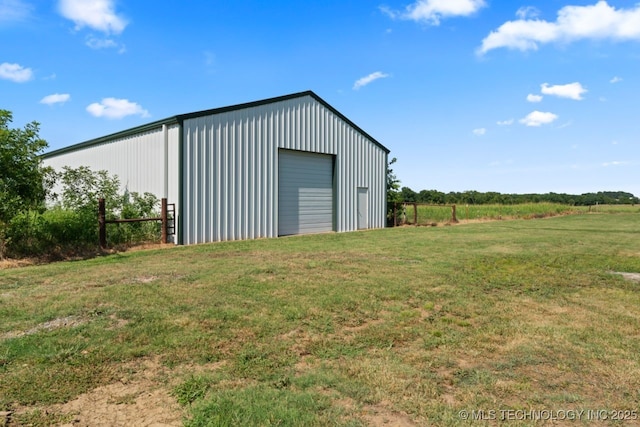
(394, 327)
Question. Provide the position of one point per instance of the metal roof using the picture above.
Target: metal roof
(178, 119)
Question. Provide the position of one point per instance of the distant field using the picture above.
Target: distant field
(615, 208)
(434, 215)
(403, 326)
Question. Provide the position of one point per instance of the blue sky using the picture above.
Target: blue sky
(483, 95)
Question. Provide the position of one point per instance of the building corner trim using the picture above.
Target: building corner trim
(180, 182)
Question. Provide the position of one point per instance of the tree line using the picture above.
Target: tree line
(436, 197)
(398, 194)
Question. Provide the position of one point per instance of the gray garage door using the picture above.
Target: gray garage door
(305, 192)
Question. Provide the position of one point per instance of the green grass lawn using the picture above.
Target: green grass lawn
(412, 323)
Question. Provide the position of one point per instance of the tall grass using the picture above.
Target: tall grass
(614, 208)
(433, 214)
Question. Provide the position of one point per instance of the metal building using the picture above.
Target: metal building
(280, 166)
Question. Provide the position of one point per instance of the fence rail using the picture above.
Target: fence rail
(167, 217)
(414, 213)
(422, 213)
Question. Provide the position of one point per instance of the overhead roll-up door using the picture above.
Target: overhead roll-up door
(305, 192)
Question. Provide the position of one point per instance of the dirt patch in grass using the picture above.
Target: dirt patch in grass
(378, 415)
(62, 322)
(381, 416)
(634, 277)
(141, 397)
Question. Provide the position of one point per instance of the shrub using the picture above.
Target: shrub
(71, 225)
(52, 233)
(24, 234)
(134, 205)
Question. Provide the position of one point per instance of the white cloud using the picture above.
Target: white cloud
(56, 98)
(479, 131)
(505, 122)
(389, 12)
(597, 22)
(14, 10)
(113, 108)
(432, 11)
(538, 118)
(616, 79)
(571, 90)
(527, 12)
(15, 72)
(96, 43)
(95, 14)
(614, 163)
(534, 98)
(369, 79)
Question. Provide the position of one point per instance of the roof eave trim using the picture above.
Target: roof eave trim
(122, 134)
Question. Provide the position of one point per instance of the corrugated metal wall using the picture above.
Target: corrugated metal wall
(231, 165)
(137, 160)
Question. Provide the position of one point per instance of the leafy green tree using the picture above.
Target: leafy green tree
(82, 187)
(408, 195)
(393, 191)
(22, 176)
(431, 196)
(136, 205)
(393, 185)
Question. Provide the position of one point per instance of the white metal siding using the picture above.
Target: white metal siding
(305, 188)
(229, 190)
(231, 168)
(138, 161)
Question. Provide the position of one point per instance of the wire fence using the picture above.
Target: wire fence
(410, 213)
(423, 214)
(166, 220)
